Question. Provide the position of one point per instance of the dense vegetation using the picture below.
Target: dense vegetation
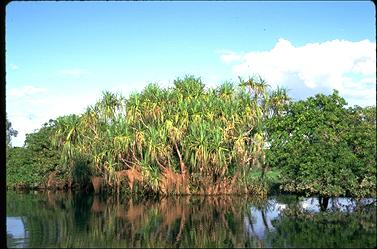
(325, 149)
(188, 139)
(28, 166)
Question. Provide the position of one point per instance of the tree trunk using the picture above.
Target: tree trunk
(97, 183)
(323, 203)
(181, 163)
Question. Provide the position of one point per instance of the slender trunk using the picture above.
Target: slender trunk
(264, 168)
(137, 162)
(251, 224)
(323, 203)
(159, 164)
(264, 220)
(263, 172)
(181, 163)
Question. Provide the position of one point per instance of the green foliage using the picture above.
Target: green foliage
(19, 170)
(181, 139)
(361, 139)
(10, 132)
(28, 166)
(323, 148)
(266, 182)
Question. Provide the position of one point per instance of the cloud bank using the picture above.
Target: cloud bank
(349, 67)
(25, 90)
(29, 107)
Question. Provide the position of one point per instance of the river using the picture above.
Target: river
(66, 219)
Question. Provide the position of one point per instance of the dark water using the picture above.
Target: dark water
(77, 220)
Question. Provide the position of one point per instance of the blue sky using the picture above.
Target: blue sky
(61, 55)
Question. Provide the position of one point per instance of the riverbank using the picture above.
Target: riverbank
(270, 184)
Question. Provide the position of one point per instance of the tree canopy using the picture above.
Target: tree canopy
(182, 139)
(29, 166)
(324, 148)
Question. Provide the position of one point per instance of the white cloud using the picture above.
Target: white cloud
(28, 112)
(347, 66)
(23, 124)
(228, 56)
(13, 66)
(73, 72)
(24, 91)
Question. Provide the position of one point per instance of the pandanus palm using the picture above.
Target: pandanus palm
(68, 136)
(256, 86)
(218, 151)
(175, 137)
(101, 128)
(225, 91)
(110, 106)
(185, 128)
(153, 144)
(278, 100)
(190, 87)
(261, 88)
(198, 146)
(122, 141)
(133, 108)
(257, 109)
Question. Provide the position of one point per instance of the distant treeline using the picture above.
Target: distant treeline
(187, 139)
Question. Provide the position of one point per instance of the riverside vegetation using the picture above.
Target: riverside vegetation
(187, 139)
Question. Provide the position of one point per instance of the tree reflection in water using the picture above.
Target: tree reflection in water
(76, 220)
(345, 226)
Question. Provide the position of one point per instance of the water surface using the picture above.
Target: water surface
(84, 220)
